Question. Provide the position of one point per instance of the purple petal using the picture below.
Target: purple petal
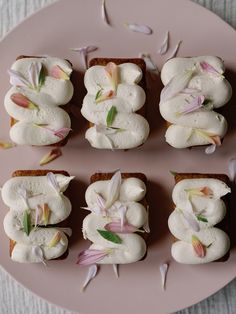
(89, 257)
(191, 220)
(62, 132)
(194, 105)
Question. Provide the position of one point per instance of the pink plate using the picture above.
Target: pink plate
(76, 23)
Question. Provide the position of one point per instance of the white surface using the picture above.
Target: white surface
(16, 300)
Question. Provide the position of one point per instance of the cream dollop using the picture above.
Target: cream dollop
(186, 129)
(211, 208)
(133, 247)
(39, 192)
(132, 128)
(53, 93)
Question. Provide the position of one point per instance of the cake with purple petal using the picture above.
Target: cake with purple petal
(115, 103)
(200, 220)
(40, 86)
(118, 219)
(37, 222)
(194, 88)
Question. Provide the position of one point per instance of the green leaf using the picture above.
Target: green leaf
(110, 236)
(27, 222)
(99, 93)
(111, 115)
(42, 76)
(201, 218)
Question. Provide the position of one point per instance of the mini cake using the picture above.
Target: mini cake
(200, 220)
(194, 87)
(40, 85)
(118, 211)
(38, 210)
(115, 103)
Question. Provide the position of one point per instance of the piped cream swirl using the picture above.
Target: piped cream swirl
(209, 208)
(53, 93)
(132, 128)
(39, 192)
(190, 129)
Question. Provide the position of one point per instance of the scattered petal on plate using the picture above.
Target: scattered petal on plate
(232, 169)
(163, 270)
(116, 270)
(165, 44)
(84, 53)
(210, 149)
(139, 28)
(6, 145)
(175, 50)
(53, 154)
(104, 13)
(92, 272)
(146, 226)
(151, 66)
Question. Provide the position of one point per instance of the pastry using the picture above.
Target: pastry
(38, 209)
(40, 86)
(115, 103)
(194, 88)
(118, 211)
(200, 220)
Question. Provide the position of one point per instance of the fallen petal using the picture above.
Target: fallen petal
(6, 145)
(175, 50)
(163, 270)
(92, 272)
(139, 28)
(53, 154)
(165, 44)
(104, 13)
(116, 270)
(232, 169)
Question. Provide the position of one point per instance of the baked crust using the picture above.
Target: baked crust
(37, 173)
(225, 223)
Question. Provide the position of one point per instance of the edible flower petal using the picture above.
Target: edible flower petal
(90, 256)
(53, 154)
(92, 272)
(198, 247)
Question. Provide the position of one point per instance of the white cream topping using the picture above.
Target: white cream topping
(183, 131)
(53, 94)
(210, 207)
(129, 98)
(133, 247)
(40, 192)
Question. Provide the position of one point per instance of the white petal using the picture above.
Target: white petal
(116, 271)
(139, 28)
(113, 189)
(104, 13)
(163, 270)
(165, 44)
(210, 149)
(232, 169)
(92, 271)
(175, 50)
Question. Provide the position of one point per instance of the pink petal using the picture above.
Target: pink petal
(209, 68)
(165, 44)
(62, 132)
(57, 72)
(115, 226)
(89, 257)
(22, 101)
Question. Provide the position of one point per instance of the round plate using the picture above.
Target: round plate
(76, 23)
